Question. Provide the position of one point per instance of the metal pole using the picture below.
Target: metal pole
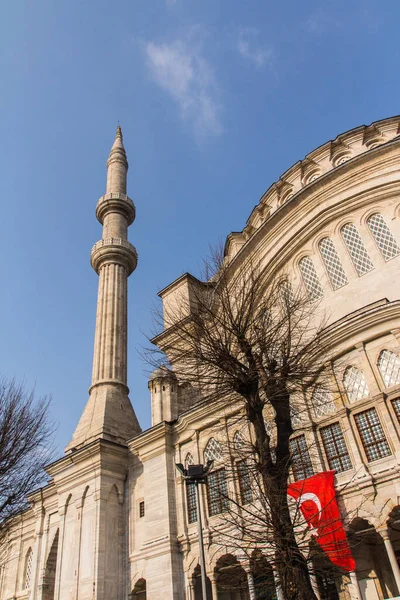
(201, 544)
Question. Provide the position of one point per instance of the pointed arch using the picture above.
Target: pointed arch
(355, 384)
(189, 460)
(389, 367)
(238, 440)
(322, 401)
(28, 568)
(383, 236)
(49, 577)
(213, 450)
(139, 591)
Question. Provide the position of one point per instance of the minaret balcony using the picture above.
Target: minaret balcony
(113, 250)
(115, 202)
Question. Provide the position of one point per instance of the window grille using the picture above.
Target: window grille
(396, 408)
(389, 367)
(295, 416)
(301, 461)
(358, 253)
(372, 435)
(332, 263)
(217, 492)
(213, 450)
(310, 278)
(189, 460)
(355, 384)
(28, 569)
(269, 427)
(335, 448)
(246, 494)
(322, 402)
(191, 501)
(141, 509)
(238, 440)
(382, 236)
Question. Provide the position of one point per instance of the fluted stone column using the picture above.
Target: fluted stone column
(108, 413)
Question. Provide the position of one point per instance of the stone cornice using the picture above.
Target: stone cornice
(369, 321)
(328, 189)
(94, 450)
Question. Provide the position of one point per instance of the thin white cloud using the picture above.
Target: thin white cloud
(320, 21)
(181, 70)
(170, 2)
(250, 48)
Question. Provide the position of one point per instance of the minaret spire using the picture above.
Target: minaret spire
(108, 413)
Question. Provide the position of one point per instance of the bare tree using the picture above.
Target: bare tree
(258, 342)
(25, 446)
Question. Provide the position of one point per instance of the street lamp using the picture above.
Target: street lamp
(196, 475)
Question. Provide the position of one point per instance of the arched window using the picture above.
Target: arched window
(28, 569)
(213, 450)
(382, 236)
(238, 440)
(189, 460)
(332, 263)
(310, 278)
(355, 384)
(389, 367)
(139, 591)
(322, 401)
(356, 248)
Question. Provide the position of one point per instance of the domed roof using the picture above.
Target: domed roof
(162, 373)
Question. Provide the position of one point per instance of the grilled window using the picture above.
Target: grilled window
(332, 263)
(355, 384)
(246, 494)
(301, 461)
(356, 248)
(323, 402)
(335, 448)
(213, 450)
(189, 460)
(28, 569)
(141, 509)
(396, 407)
(372, 435)
(383, 237)
(191, 501)
(310, 278)
(238, 440)
(217, 492)
(389, 367)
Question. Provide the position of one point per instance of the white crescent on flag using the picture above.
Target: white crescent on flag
(310, 496)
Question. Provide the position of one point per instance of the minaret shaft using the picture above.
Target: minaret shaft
(110, 346)
(108, 413)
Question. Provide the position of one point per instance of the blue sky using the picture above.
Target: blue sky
(216, 99)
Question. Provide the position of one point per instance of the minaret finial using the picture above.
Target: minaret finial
(119, 132)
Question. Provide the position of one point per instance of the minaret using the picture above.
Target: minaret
(108, 413)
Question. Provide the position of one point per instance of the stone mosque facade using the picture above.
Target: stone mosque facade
(115, 521)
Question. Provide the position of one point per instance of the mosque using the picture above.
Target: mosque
(115, 521)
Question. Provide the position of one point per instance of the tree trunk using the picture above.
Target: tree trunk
(290, 563)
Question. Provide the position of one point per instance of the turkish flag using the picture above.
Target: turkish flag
(316, 499)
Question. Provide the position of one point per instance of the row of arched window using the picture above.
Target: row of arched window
(358, 253)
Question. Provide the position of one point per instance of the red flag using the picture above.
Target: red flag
(316, 499)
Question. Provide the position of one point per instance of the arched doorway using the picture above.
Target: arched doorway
(231, 579)
(139, 591)
(196, 582)
(374, 574)
(263, 577)
(49, 578)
